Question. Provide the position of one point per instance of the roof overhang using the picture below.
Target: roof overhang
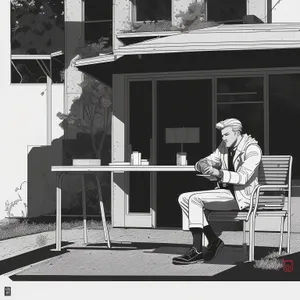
(218, 38)
(35, 56)
(101, 59)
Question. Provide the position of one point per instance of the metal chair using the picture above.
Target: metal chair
(271, 198)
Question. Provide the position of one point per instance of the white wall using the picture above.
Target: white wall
(286, 11)
(23, 120)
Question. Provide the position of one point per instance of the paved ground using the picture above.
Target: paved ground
(135, 252)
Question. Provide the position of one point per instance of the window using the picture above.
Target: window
(152, 10)
(98, 20)
(242, 98)
(29, 71)
(284, 122)
(230, 10)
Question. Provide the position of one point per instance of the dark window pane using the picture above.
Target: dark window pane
(140, 128)
(96, 31)
(29, 71)
(220, 10)
(284, 106)
(58, 65)
(251, 116)
(151, 10)
(240, 89)
(240, 85)
(98, 10)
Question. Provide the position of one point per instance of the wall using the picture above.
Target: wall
(286, 11)
(259, 8)
(23, 120)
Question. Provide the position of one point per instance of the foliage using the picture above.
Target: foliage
(95, 103)
(16, 229)
(9, 205)
(95, 49)
(191, 19)
(271, 262)
(196, 10)
(37, 26)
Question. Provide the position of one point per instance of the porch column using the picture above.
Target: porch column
(122, 19)
(74, 38)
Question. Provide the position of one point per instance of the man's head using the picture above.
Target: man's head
(231, 130)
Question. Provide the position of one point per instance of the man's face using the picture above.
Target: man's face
(229, 136)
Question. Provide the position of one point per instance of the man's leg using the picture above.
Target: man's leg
(194, 254)
(213, 200)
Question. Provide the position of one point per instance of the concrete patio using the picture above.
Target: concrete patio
(138, 254)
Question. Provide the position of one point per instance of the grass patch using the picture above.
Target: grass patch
(18, 228)
(271, 262)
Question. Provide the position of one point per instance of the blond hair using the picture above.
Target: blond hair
(235, 124)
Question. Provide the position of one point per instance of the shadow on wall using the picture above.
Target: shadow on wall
(42, 181)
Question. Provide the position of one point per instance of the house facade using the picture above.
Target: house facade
(184, 63)
(165, 74)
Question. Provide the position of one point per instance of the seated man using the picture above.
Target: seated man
(235, 165)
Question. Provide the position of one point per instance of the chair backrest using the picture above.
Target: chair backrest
(274, 170)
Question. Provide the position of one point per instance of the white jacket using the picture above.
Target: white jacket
(246, 165)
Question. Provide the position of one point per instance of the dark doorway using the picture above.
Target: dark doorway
(181, 103)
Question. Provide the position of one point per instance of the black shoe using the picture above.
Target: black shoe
(213, 248)
(192, 256)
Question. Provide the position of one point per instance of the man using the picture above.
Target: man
(235, 165)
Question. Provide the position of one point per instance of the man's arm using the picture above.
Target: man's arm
(245, 172)
(212, 160)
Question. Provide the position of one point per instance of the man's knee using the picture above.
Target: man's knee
(196, 199)
(183, 199)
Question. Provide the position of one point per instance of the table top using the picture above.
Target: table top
(125, 168)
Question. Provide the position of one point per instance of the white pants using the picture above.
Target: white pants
(193, 205)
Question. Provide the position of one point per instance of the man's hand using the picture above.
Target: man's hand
(213, 172)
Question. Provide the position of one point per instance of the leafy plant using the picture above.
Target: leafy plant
(37, 26)
(195, 11)
(9, 205)
(95, 103)
(94, 49)
(271, 262)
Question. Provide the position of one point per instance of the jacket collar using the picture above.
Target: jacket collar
(240, 147)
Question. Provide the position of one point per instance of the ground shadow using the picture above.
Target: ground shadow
(246, 272)
(131, 246)
(241, 272)
(28, 258)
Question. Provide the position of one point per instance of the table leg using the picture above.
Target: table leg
(106, 233)
(58, 232)
(85, 238)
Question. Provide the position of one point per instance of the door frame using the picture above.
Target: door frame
(120, 215)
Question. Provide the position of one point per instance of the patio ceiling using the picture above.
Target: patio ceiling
(219, 38)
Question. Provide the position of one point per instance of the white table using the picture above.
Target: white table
(63, 170)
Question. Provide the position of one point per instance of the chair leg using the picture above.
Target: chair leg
(244, 237)
(289, 233)
(85, 236)
(281, 234)
(252, 238)
(106, 233)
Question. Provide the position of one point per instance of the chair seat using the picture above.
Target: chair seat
(242, 215)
